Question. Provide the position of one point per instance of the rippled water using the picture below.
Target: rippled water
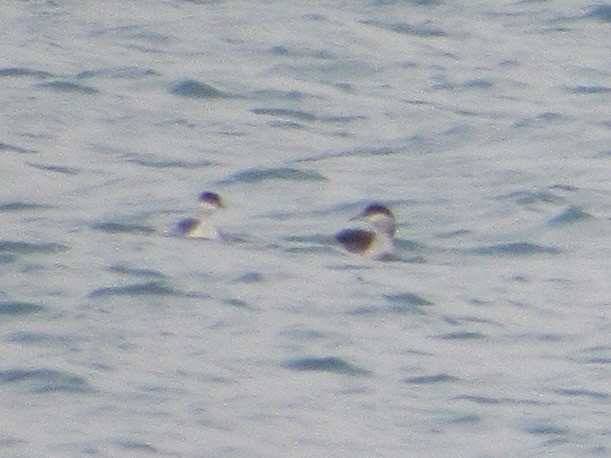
(485, 126)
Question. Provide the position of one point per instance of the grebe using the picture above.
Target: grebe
(201, 228)
(376, 243)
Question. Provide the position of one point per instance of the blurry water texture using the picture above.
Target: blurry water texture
(483, 125)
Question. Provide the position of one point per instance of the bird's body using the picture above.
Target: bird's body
(196, 229)
(355, 240)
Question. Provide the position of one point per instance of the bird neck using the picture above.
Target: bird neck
(206, 231)
(384, 224)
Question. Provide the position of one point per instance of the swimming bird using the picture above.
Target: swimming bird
(200, 228)
(377, 242)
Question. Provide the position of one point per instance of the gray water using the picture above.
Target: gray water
(483, 125)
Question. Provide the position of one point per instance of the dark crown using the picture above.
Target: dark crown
(377, 208)
(211, 198)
